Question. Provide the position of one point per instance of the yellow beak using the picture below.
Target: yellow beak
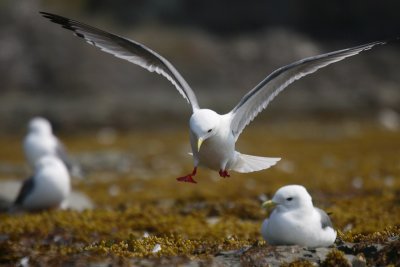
(268, 205)
(199, 142)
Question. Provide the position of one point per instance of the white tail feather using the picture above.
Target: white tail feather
(247, 163)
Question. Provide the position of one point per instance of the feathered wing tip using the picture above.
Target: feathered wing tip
(248, 163)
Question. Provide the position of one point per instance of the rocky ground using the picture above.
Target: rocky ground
(137, 214)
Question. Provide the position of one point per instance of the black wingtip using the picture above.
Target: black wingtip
(54, 18)
(64, 22)
(49, 15)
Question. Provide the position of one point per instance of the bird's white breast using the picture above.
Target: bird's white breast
(297, 227)
(51, 188)
(38, 145)
(217, 152)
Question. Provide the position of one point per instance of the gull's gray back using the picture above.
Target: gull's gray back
(325, 220)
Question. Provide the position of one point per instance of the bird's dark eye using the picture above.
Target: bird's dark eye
(289, 199)
(209, 130)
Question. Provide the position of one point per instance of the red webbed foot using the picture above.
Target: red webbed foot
(224, 173)
(188, 178)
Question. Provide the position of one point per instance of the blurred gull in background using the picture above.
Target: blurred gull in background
(40, 141)
(48, 188)
(295, 221)
(212, 136)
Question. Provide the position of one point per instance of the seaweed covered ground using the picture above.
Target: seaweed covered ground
(144, 217)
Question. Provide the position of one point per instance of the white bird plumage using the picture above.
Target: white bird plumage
(48, 188)
(40, 141)
(218, 132)
(295, 221)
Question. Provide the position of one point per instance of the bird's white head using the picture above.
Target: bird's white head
(290, 197)
(39, 125)
(204, 124)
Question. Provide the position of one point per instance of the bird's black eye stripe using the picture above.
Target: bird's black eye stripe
(209, 130)
(289, 199)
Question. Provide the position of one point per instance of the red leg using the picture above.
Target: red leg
(188, 178)
(224, 173)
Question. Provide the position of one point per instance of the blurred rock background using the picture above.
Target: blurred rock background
(222, 48)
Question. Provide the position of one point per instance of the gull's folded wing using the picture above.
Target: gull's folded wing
(26, 189)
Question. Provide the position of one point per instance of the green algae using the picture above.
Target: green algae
(335, 258)
(216, 214)
(299, 263)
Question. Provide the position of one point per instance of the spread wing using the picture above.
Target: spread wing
(258, 98)
(129, 50)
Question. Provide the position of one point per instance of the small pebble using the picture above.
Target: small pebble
(156, 248)
(348, 227)
(286, 166)
(357, 182)
(213, 220)
(24, 262)
(389, 119)
(114, 190)
(106, 136)
(389, 181)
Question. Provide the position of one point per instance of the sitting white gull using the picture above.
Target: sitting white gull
(48, 188)
(212, 136)
(295, 221)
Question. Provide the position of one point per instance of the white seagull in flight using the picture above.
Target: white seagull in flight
(212, 136)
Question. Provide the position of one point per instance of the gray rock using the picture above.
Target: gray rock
(9, 190)
(79, 201)
(229, 258)
(278, 255)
